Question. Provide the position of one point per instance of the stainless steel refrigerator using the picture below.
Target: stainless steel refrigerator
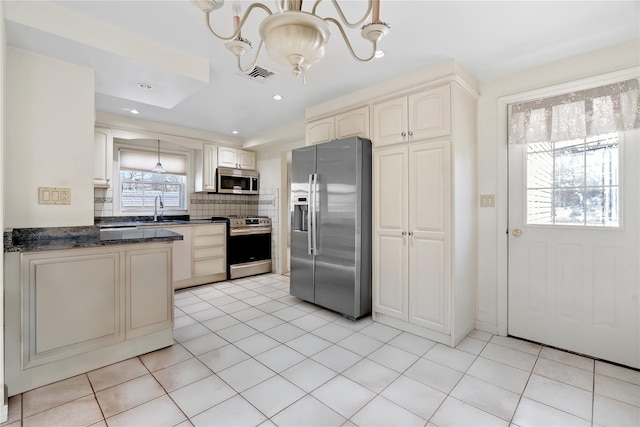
(331, 225)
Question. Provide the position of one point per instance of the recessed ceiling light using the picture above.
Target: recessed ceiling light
(235, 132)
(277, 97)
(134, 111)
(379, 53)
(145, 86)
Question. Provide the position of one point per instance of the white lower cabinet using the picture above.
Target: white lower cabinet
(412, 234)
(209, 252)
(72, 311)
(182, 257)
(148, 291)
(201, 256)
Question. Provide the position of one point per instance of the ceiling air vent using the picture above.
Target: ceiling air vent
(259, 74)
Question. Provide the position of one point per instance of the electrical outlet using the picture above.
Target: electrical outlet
(54, 196)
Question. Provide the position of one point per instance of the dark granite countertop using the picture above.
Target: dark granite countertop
(56, 238)
(147, 221)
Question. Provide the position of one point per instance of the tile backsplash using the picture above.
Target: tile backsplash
(201, 205)
(205, 205)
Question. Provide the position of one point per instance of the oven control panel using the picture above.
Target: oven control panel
(249, 221)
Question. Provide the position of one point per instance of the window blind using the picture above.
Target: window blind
(140, 160)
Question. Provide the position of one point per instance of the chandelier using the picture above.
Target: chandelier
(293, 37)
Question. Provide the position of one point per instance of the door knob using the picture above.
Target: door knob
(517, 232)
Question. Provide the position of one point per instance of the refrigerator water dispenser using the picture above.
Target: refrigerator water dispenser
(300, 215)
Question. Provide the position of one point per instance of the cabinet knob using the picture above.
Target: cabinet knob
(410, 133)
(404, 233)
(403, 134)
(411, 233)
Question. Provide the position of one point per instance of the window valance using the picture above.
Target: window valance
(605, 109)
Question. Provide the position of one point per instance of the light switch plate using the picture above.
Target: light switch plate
(487, 201)
(54, 196)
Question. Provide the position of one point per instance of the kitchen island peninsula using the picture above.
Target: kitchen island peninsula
(80, 298)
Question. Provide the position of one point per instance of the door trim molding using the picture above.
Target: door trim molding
(502, 188)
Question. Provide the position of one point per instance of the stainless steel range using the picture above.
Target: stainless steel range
(248, 246)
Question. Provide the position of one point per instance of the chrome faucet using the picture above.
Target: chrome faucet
(155, 207)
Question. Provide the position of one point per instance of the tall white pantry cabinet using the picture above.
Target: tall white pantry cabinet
(423, 129)
(424, 210)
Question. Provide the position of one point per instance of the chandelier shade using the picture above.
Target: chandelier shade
(293, 37)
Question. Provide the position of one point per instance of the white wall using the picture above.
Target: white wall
(492, 170)
(3, 408)
(49, 140)
(273, 175)
(269, 162)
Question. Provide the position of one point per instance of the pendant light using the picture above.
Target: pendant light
(158, 167)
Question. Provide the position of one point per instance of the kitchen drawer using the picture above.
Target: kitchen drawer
(217, 229)
(200, 241)
(213, 252)
(209, 266)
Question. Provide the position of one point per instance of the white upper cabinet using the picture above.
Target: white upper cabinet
(353, 123)
(422, 115)
(236, 158)
(206, 161)
(210, 161)
(102, 157)
(350, 123)
(319, 131)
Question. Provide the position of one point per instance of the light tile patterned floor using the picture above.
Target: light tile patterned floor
(247, 353)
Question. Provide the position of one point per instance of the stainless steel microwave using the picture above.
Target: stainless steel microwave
(238, 181)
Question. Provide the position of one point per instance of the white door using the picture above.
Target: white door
(574, 254)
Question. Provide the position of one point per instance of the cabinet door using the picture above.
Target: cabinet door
(149, 289)
(390, 250)
(430, 113)
(390, 122)
(61, 290)
(429, 239)
(210, 162)
(353, 123)
(102, 157)
(227, 157)
(246, 159)
(320, 131)
(182, 258)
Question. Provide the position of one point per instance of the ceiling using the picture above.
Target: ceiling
(196, 84)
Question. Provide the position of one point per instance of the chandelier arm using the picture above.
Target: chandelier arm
(346, 41)
(315, 5)
(255, 60)
(344, 19)
(242, 21)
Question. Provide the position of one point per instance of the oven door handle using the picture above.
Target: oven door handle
(246, 231)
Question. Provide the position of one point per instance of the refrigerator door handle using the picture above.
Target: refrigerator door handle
(314, 222)
(309, 215)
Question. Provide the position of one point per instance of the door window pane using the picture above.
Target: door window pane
(574, 182)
